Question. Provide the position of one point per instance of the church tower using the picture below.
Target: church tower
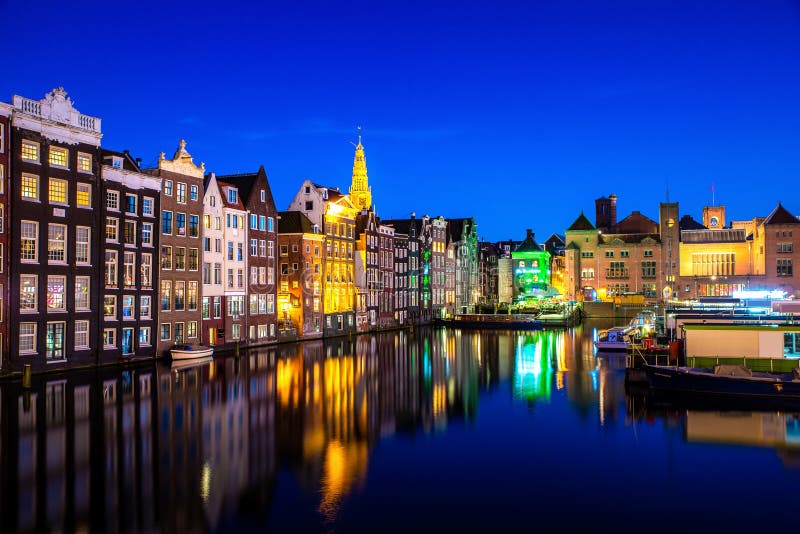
(360, 192)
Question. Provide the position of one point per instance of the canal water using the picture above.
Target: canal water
(431, 430)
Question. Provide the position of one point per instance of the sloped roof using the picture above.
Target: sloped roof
(128, 163)
(246, 184)
(688, 223)
(294, 222)
(581, 224)
(781, 215)
(529, 245)
(635, 223)
(238, 205)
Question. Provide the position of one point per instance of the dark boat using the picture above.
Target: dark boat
(734, 381)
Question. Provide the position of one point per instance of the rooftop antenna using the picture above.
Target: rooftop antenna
(667, 190)
(712, 194)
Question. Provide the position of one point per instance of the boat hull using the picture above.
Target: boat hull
(687, 381)
(612, 346)
(180, 354)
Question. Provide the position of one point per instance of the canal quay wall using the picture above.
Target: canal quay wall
(226, 349)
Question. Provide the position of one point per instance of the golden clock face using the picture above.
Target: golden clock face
(670, 223)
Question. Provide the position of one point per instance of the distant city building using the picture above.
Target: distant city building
(531, 268)
(333, 212)
(300, 291)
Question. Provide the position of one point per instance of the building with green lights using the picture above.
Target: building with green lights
(530, 270)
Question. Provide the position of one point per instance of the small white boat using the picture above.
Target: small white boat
(187, 352)
(616, 338)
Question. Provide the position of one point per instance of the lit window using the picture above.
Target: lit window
(166, 295)
(110, 307)
(147, 270)
(144, 306)
(58, 156)
(111, 268)
(112, 229)
(180, 258)
(128, 304)
(84, 162)
(166, 257)
(57, 243)
(147, 234)
(29, 231)
(28, 293)
(82, 292)
(110, 338)
(56, 293)
(83, 196)
(57, 191)
(180, 295)
(30, 151)
(29, 187)
(168, 187)
(27, 338)
(144, 336)
(83, 245)
(129, 269)
(81, 334)
(191, 330)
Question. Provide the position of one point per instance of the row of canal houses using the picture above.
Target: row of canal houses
(102, 259)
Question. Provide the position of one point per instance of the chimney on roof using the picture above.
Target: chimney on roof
(606, 212)
(413, 215)
(529, 234)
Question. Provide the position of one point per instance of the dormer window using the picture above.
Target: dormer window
(116, 162)
(325, 194)
(233, 195)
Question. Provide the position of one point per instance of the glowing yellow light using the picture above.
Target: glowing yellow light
(205, 483)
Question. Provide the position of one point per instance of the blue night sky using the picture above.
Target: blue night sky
(517, 113)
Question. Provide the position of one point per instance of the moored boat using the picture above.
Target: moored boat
(614, 339)
(185, 351)
(724, 380)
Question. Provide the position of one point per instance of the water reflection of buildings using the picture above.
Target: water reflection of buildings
(158, 449)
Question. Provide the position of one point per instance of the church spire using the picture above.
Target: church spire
(360, 192)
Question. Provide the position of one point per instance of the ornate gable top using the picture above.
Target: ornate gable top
(181, 163)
